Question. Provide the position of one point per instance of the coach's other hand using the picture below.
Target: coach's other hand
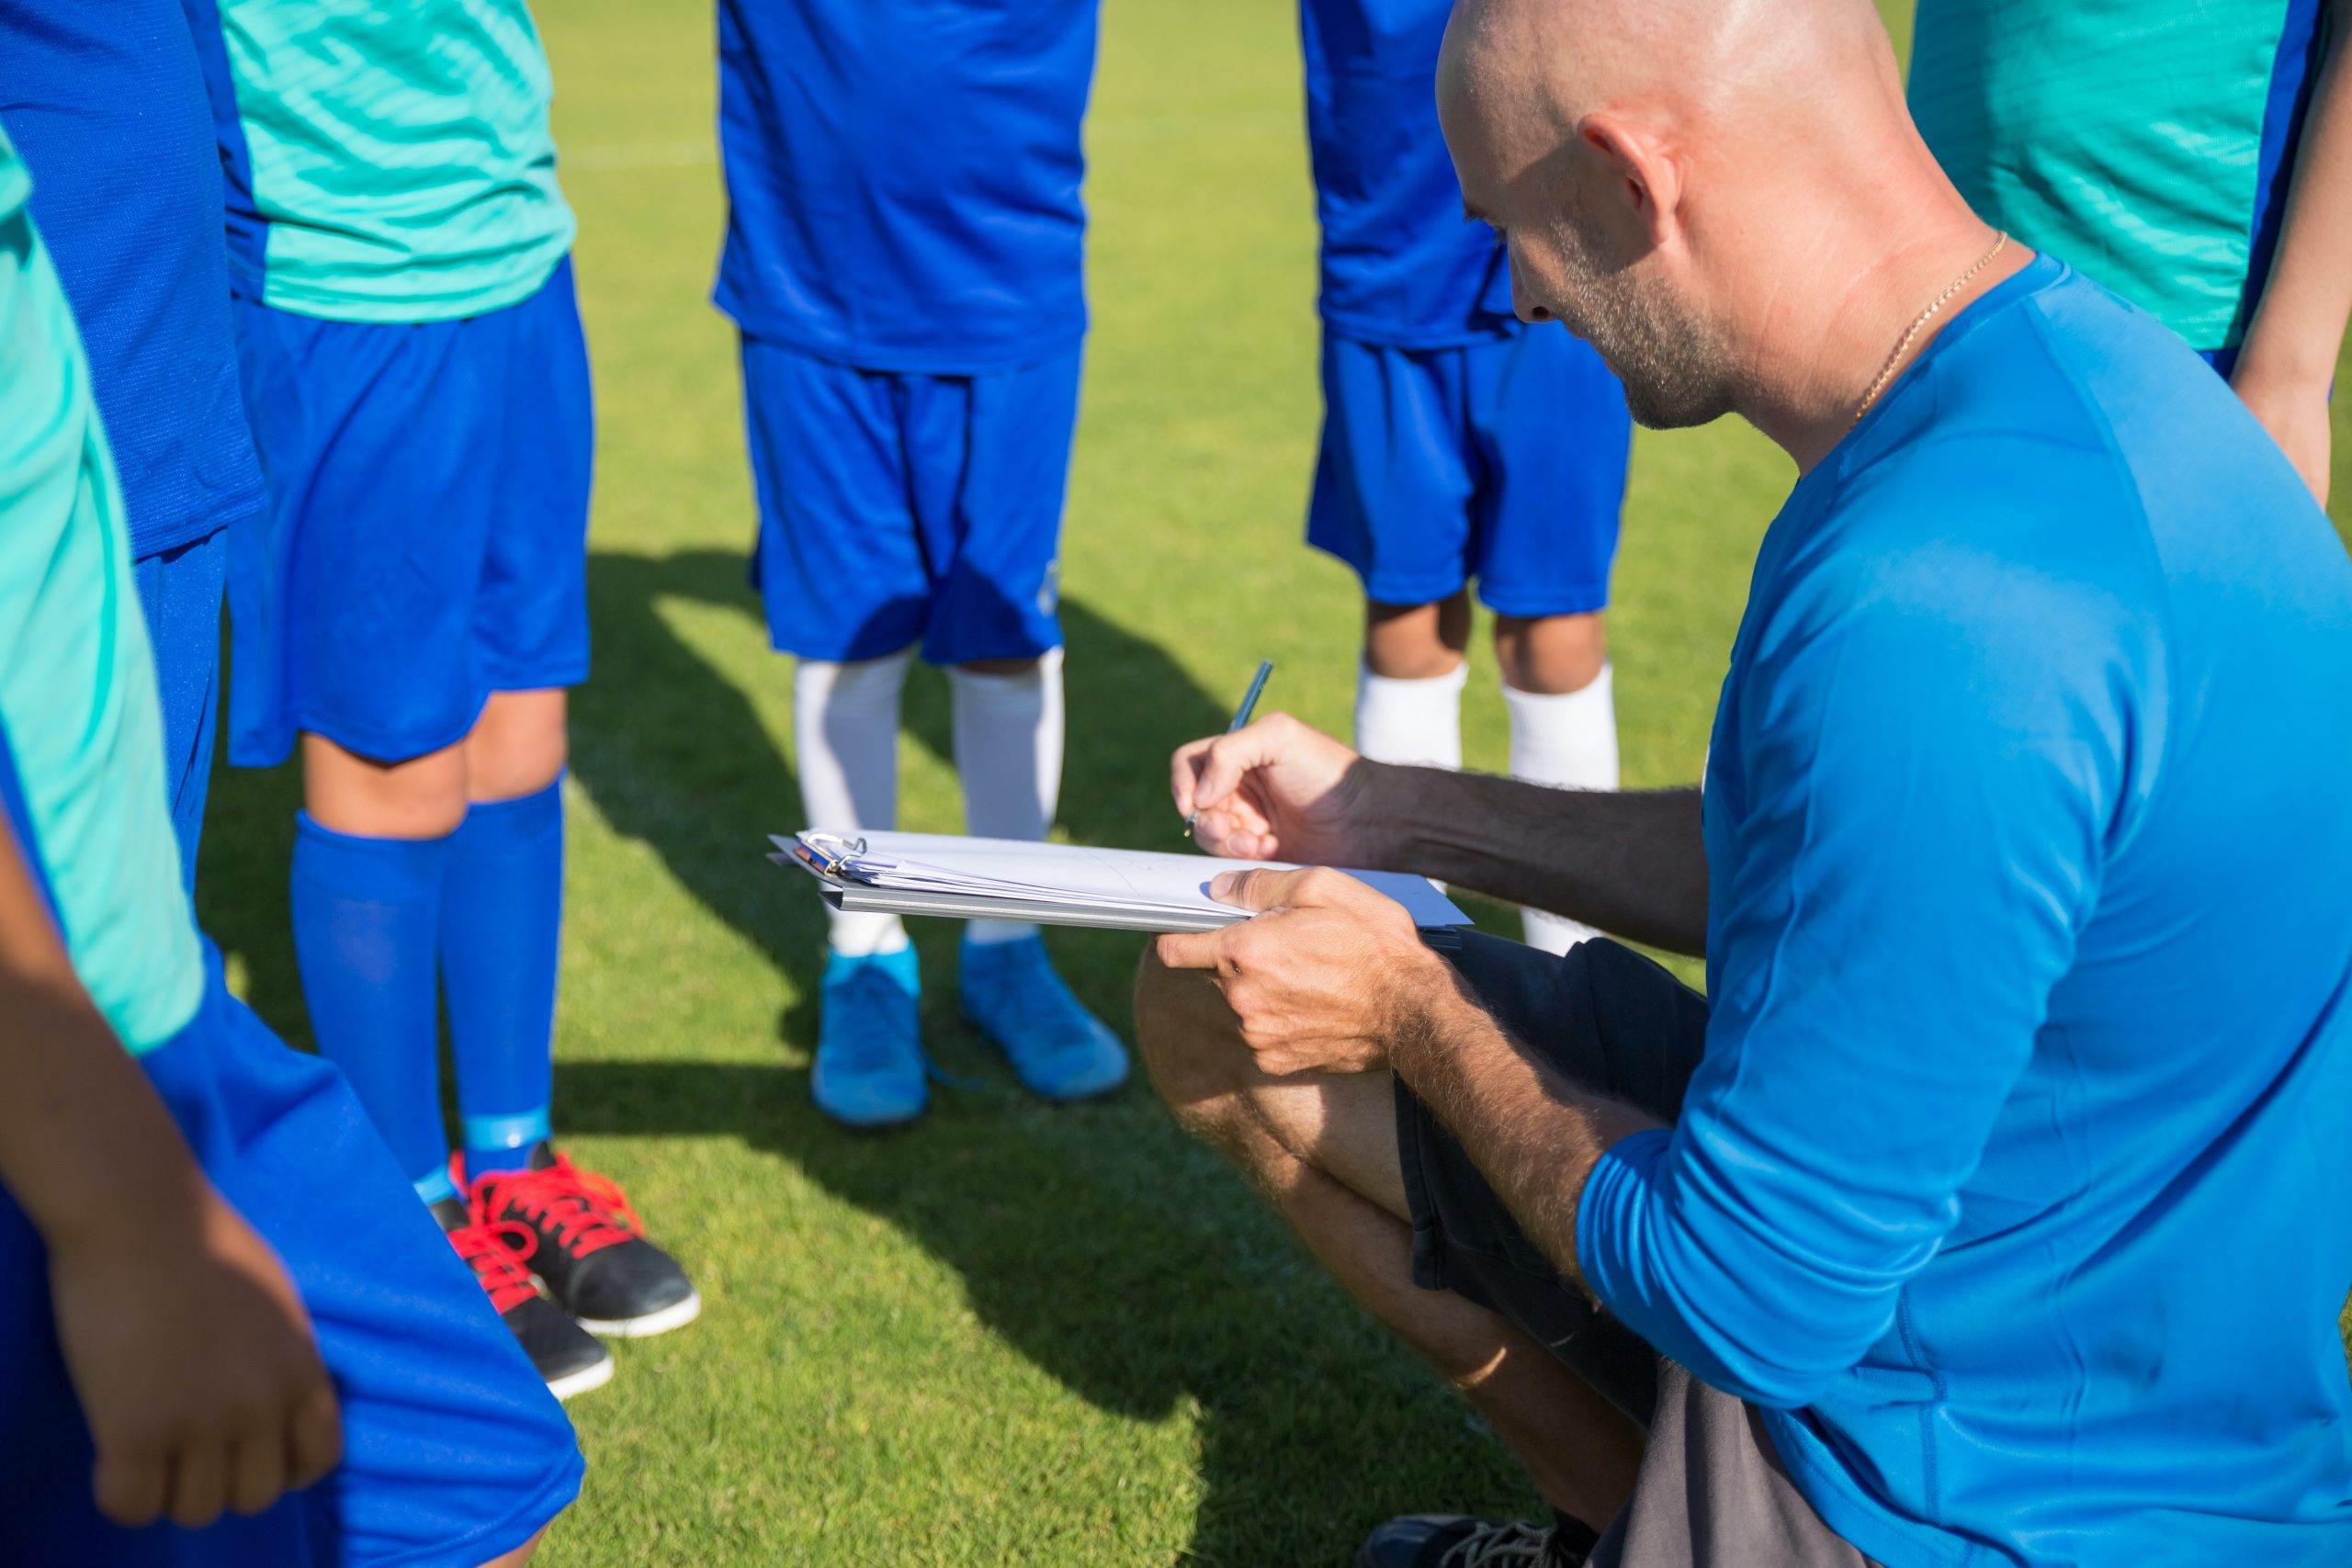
(1275, 790)
(195, 1362)
(1324, 976)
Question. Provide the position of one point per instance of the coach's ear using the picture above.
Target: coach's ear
(1630, 181)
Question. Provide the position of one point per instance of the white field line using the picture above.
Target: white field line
(623, 156)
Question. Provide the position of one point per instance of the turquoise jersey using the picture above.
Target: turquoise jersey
(77, 681)
(2149, 142)
(385, 163)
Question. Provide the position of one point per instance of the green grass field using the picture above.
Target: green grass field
(1012, 1334)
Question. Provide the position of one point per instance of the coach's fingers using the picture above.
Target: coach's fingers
(130, 1481)
(199, 1480)
(1227, 833)
(1226, 760)
(1184, 772)
(1194, 949)
(1258, 889)
(314, 1435)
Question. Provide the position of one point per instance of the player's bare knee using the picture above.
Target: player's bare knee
(1416, 642)
(1549, 654)
(519, 746)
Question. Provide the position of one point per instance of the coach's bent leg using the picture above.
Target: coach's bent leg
(1323, 1149)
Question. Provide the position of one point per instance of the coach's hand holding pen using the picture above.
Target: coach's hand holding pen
(1240, 718)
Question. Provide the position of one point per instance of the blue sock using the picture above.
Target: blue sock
(502, 914)
(365, 915)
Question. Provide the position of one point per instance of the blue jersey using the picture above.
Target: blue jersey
(1402, 266)
(902, 178)
(106, 106)
(2012, 1177)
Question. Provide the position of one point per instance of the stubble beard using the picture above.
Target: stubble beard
(1675, 368)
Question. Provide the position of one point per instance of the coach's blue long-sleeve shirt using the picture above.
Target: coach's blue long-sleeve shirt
(2018, 1177)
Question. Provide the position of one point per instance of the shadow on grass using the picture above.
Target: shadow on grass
(1097, 1240)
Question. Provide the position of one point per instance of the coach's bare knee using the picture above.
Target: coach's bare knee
(1184, 1033)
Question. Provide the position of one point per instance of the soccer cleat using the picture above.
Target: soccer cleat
(562, 1352)
(1056, 1047)
(1457, 1540)
(870, 1070)
(589, 1246)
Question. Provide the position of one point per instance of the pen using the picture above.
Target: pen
(1240, 717)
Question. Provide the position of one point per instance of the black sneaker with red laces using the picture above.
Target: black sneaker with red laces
(564, 1354)
(591, 1250)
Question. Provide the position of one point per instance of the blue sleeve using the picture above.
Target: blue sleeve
(1922, 801)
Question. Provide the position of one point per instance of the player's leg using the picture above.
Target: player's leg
(846, 593)
(1324, 1151)
(1559, 694)
(1392, 493)
(1551, 435)
(990, 462)
(502, 892)
(355, 609)
(1409, 689)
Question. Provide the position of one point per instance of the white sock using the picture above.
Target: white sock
(1009, 756)
(1411, 721)
(1564, 739)
(845, 735)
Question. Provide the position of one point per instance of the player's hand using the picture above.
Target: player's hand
(1323, 978)
(194, 1361)
(1276, 790)
(2296, 415)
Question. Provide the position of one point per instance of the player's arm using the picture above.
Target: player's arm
(187, 1346)
(1629, 863)
(2287, 360)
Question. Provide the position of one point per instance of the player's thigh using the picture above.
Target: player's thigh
(357, 602)
(1394, 479)
(1553, 438)
(838, 562)
(988, 460)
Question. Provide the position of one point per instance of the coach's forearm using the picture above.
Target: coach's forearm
(1533, 1135)
(1630, 862)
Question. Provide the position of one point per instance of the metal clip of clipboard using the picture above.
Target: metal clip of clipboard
(828, 854)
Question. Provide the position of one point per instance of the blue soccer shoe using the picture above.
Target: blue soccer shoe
(870, 1068)
(1059, 1050)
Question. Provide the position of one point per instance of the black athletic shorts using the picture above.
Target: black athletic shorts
(1711, 1492)
(1612, 1020)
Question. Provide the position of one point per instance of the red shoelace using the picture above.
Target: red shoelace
(587, 1212)
(498, 1252)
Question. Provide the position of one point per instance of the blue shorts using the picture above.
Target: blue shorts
(453, 1451)
(180, 589)
(1502, 462)
(427, 538)
(898, 508)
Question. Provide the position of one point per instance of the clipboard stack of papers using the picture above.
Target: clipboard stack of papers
(1068, 885)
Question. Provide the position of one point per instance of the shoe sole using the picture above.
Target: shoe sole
(871, 1123)
(1105, 1092)
(677, 1314)
(584, 1380)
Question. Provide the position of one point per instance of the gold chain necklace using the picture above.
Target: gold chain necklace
(1919, 325)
